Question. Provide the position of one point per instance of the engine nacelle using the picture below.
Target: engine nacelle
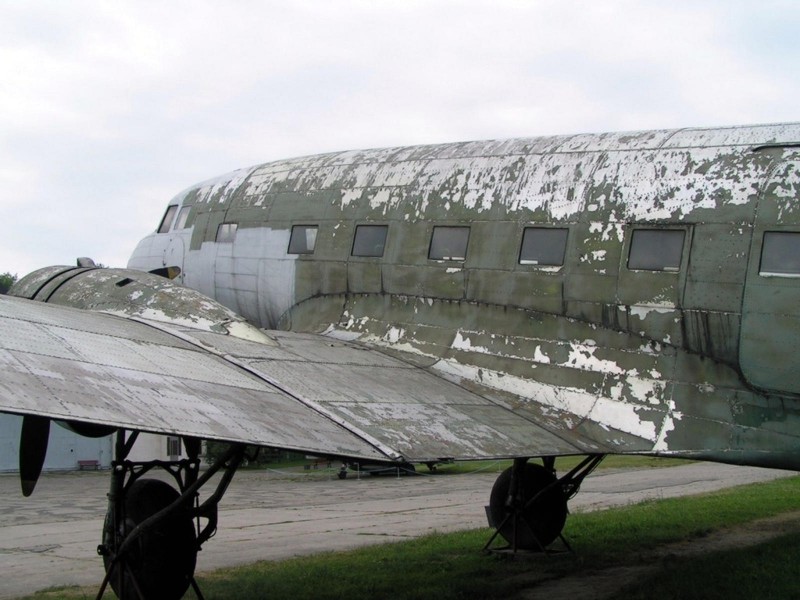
(133, 293)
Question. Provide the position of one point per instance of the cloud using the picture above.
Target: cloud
(109, 110)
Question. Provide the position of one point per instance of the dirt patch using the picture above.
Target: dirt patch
(589, 583)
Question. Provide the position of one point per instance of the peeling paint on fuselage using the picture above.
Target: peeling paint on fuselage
(661, 337)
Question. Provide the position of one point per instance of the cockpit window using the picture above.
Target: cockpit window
(303, 239)
(370, 240)
(449, 243)
(169, 216)
(226, 232)
(656, 249)
(780, 254)
(543, 246)
(182, 216)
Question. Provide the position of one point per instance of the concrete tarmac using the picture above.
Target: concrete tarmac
(50, 539)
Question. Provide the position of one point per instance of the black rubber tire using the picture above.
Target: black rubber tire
(163, 559)
(541, 523)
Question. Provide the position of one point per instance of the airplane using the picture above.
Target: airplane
(620, 293)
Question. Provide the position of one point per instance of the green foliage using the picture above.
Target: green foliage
(255, 456)
(6, 281)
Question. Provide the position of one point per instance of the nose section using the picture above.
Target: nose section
(145, 257)
(160, 253)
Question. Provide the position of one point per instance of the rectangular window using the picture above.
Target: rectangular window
(780, 254)
(303, 239)
(173, 447)
(656, 249)
(182, 216)
(169, 216)
(226, 233)
(370, 240)
(449, 243)
(543, 246)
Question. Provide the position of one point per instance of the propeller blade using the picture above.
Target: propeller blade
(32, 450)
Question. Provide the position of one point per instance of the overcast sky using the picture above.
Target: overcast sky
(108, 109)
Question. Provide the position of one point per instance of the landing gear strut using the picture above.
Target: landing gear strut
(528, 503)
(153, 531)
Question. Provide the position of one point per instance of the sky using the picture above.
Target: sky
(109, 109)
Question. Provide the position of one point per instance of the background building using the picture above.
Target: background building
(66, 448)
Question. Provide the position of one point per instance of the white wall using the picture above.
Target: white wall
(66, 448)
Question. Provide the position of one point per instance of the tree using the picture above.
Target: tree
(6, 281)
(253, 455)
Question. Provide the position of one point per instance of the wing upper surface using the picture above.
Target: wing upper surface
(91, 367)
(415, 413)
(305, 392)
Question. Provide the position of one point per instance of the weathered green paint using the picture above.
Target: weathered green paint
(696, 362)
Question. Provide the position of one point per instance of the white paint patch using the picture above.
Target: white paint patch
(667, 426)
(540, 357)
(464, 343)
(645, 390)
(341, 334)
(394, 334)
(245, 331)
(349, 196)
(608, 231)
(582, 357)
(642, 310)
(623, 417)
(380, 198)
(651, 348)
(574, 401)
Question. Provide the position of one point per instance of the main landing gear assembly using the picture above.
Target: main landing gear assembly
(156, 525)
(153, 530)
(528, 503)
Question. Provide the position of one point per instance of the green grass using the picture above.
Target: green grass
(451, 566)
(767, 570)
(650, 523)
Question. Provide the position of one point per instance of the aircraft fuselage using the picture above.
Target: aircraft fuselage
(632, 292)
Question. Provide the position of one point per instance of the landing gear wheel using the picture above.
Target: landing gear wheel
(161, 561)
(523, 523)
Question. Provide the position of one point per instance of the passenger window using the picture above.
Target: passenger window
(449, 243)
(656, 249)
(780, 254)
(303, 239)
(226, 232)
(169, 216)
(544, 246)
(370, 240)
(182, 216)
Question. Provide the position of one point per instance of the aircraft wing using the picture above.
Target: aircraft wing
(299, 392)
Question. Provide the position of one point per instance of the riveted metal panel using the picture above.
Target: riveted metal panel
(770, 332)
(535, 289)
(116, 380)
